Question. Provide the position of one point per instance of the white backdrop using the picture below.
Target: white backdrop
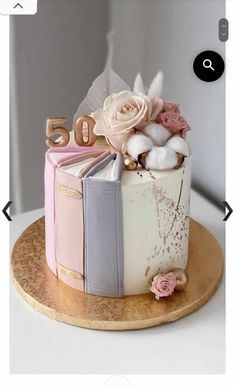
(56, 54)
(167, 35)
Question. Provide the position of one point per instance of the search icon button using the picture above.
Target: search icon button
(207, 63)
(208, 66)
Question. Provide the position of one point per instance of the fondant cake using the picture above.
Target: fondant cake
(117, 217)
(109, 235)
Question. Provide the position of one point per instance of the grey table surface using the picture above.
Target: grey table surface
(192, 345)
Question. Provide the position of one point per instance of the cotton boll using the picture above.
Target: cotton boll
(157, 133)
(161, 158)
(178, 144)
(138, 144)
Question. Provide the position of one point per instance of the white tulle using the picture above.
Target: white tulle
(104, 85)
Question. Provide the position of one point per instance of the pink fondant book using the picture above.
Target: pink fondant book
(52, 158)
(64, 211)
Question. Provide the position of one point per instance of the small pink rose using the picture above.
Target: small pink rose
(169, 106)
(174, 122)
(163, 285)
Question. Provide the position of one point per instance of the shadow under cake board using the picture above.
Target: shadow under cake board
(44, 292)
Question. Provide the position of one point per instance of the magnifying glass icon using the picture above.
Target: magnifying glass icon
(207, 63)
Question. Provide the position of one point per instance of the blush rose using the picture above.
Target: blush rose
(169, 106)
(122, 113)
(174, 122)
(163, 285)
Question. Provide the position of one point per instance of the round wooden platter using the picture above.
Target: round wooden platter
(44, 292)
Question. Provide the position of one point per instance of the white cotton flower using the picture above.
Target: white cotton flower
(137, 144)
(157, 133)
(161, 158)
(178, 144)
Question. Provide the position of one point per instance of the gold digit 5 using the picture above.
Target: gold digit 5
(79, 134)
(54, 126)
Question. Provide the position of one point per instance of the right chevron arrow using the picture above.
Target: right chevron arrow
(230, 211)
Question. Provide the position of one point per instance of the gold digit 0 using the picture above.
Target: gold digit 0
(78, 131)
(54, 126)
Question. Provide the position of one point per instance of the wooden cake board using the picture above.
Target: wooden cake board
(44, 292)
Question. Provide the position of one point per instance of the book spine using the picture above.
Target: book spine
(49, 180)
(103, 237)
(69, 229)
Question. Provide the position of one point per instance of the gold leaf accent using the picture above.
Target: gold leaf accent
(68, 192)
(69, 272)
(147, 271)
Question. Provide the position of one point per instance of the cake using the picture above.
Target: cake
(117, 216)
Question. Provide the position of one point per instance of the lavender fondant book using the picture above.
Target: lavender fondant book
(104, 228)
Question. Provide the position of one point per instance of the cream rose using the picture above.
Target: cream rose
(121, 114)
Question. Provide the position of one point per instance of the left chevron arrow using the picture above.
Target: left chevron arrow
(4, 211)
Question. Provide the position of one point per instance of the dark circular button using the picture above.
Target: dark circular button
(208, 66)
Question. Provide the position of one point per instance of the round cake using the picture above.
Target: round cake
(117, 217)
(148, 236)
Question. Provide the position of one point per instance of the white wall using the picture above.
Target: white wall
(55, 55)
(168, 34)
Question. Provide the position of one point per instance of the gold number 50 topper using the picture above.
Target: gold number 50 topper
(54, 126)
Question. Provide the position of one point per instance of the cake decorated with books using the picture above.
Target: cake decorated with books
(117, 192)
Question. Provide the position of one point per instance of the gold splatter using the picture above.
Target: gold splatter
(147, 271)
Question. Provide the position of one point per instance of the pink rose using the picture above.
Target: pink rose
(122, 113)
(174, 122)
(169, 106)
(163, 285)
